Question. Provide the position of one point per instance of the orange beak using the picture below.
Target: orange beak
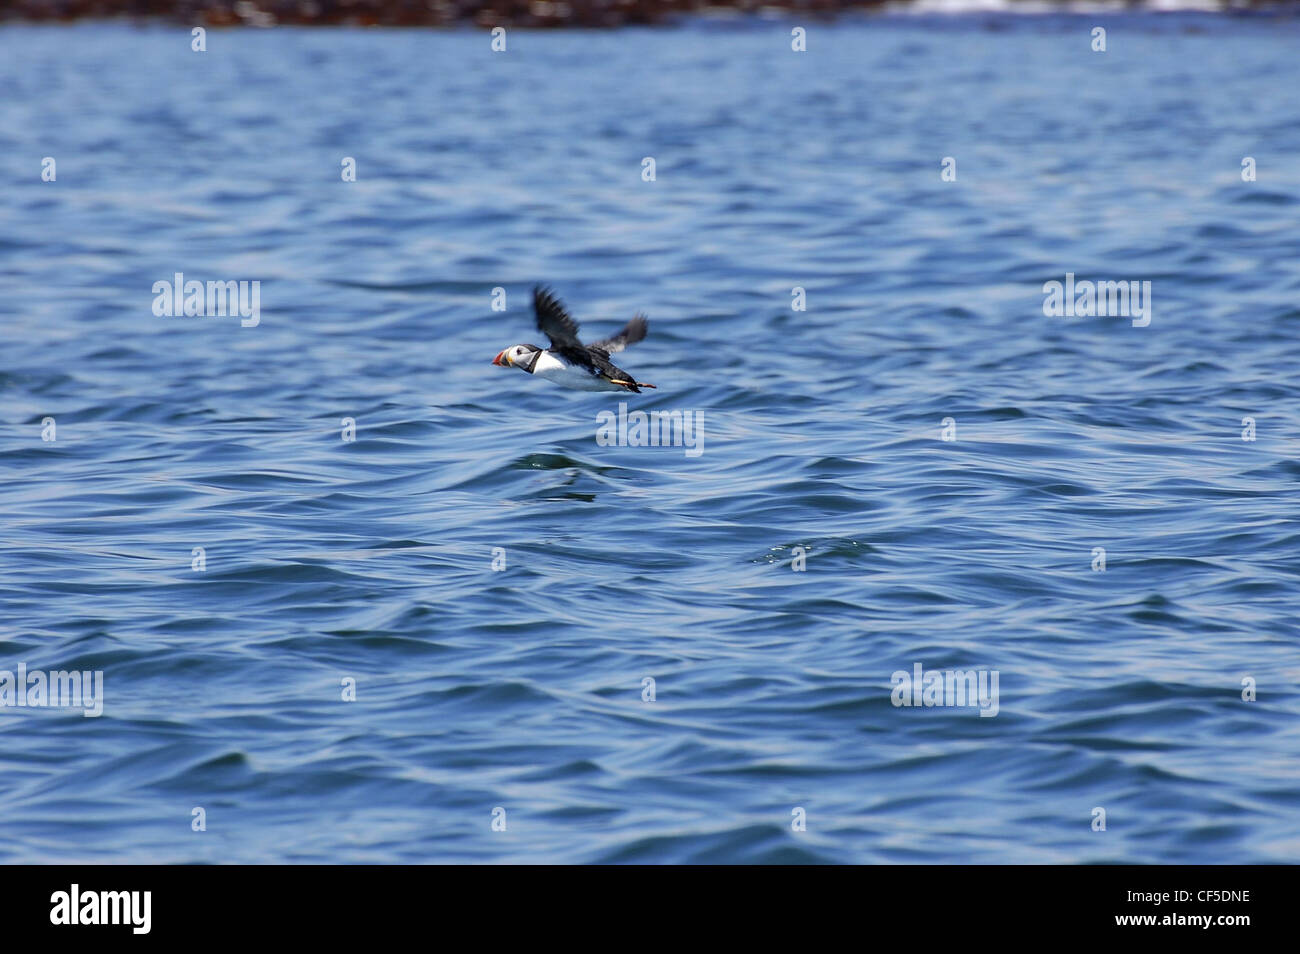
(498, 360)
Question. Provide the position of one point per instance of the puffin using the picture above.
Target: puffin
(568, 362)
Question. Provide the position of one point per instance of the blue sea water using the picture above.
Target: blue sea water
(522, 689)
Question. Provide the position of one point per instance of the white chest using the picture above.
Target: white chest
(568, 376)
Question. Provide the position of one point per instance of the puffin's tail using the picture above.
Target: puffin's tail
(631, 385)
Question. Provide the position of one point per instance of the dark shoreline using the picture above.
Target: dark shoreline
(532, 14)
(408, 13)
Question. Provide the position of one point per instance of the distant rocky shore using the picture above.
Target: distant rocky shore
(524, 13)
(486, 13)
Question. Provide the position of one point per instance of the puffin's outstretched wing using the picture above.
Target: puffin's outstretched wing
(634, 332)
(553, 321)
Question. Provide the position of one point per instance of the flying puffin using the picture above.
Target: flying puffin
(568, 362)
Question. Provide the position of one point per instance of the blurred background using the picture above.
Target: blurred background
(545, 13)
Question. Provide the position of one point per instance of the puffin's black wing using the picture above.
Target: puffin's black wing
(634, 332)
(553, 321)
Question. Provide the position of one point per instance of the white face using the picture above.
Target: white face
(516, 356)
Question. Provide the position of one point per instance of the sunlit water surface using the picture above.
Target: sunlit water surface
(522, 689)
